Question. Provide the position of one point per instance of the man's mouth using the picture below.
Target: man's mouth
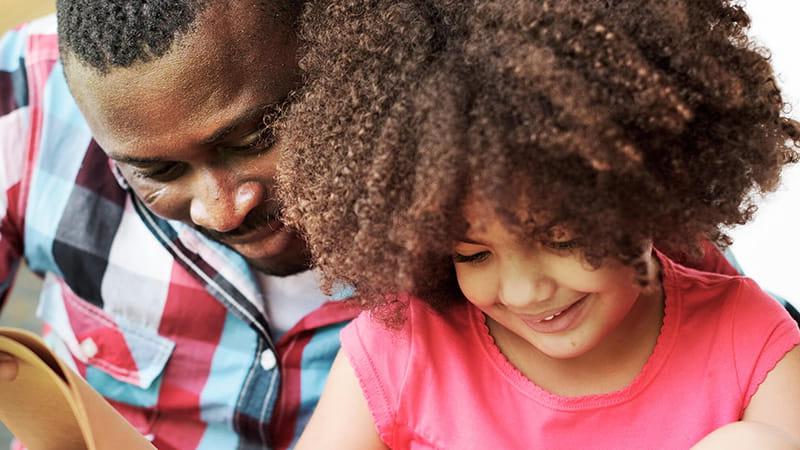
(257, 225)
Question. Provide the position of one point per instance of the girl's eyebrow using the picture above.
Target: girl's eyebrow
(467, 240)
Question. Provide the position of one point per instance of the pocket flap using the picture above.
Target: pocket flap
(126, 351)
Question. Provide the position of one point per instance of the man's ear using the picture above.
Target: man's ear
(123, 183)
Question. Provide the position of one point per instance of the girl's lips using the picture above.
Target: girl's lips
(555, 321)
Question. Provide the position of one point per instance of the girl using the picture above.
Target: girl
(515, 169)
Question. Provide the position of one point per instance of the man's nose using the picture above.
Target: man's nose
(523, 288)
(224, 208)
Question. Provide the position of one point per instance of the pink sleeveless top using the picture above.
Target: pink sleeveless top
(441, 382)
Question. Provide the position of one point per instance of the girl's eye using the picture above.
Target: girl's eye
(474, 258)
(162, 172)
(562, 245)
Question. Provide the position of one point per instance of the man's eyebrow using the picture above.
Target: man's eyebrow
(219, 134)
(134, 160)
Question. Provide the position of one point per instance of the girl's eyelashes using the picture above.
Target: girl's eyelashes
(474, 258)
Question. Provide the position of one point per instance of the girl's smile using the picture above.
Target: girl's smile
(558, 320)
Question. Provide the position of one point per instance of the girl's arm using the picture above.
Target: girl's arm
(772, 420)
(342, 418)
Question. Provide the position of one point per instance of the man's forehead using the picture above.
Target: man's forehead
(207, 81)
(150, 149)
(226, 37)
(156, 97)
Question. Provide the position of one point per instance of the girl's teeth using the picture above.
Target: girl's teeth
(549, 318)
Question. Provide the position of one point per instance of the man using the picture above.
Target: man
(137, 179)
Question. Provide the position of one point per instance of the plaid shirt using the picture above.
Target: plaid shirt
(169, 326)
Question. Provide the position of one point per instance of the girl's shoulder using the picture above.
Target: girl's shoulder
(732, 305)
(396, 363)
(699, 290)
(730, 322)
(413, 325)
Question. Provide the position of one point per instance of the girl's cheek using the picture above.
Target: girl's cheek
(476, 286)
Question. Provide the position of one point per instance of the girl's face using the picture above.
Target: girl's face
(544, 293)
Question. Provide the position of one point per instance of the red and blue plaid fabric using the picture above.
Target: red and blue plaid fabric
(166, 324)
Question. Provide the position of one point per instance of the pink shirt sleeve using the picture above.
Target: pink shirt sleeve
(762, 333)
(379, 356)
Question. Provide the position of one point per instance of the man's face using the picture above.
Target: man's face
(187, 130)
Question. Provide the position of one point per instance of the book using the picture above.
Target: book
(48, 406)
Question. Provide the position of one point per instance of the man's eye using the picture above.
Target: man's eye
(474, 258)
(162, 172)
(257, 141)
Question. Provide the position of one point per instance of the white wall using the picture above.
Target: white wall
(769, 247)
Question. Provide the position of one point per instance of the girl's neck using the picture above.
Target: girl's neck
(611, 366)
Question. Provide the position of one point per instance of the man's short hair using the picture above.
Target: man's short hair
(118, 33)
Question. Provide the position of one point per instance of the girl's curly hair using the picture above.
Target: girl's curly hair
(621, 120)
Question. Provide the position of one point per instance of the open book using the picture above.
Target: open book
(48, 406)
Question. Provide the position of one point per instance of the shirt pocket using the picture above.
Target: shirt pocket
(121, 359)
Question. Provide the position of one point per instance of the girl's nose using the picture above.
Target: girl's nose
(524, 289)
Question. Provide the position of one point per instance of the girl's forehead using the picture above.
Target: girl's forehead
(485, 223)
(481, 212)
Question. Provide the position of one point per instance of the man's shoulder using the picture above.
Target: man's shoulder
(36, 93)
(45, 25)
(29, 61)
(33, 40)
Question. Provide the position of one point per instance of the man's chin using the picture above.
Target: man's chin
(281, 253)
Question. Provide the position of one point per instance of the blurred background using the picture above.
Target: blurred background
(768, 249)
(14, 12)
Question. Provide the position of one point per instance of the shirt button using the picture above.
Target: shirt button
(89, 348)
(268, 360)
